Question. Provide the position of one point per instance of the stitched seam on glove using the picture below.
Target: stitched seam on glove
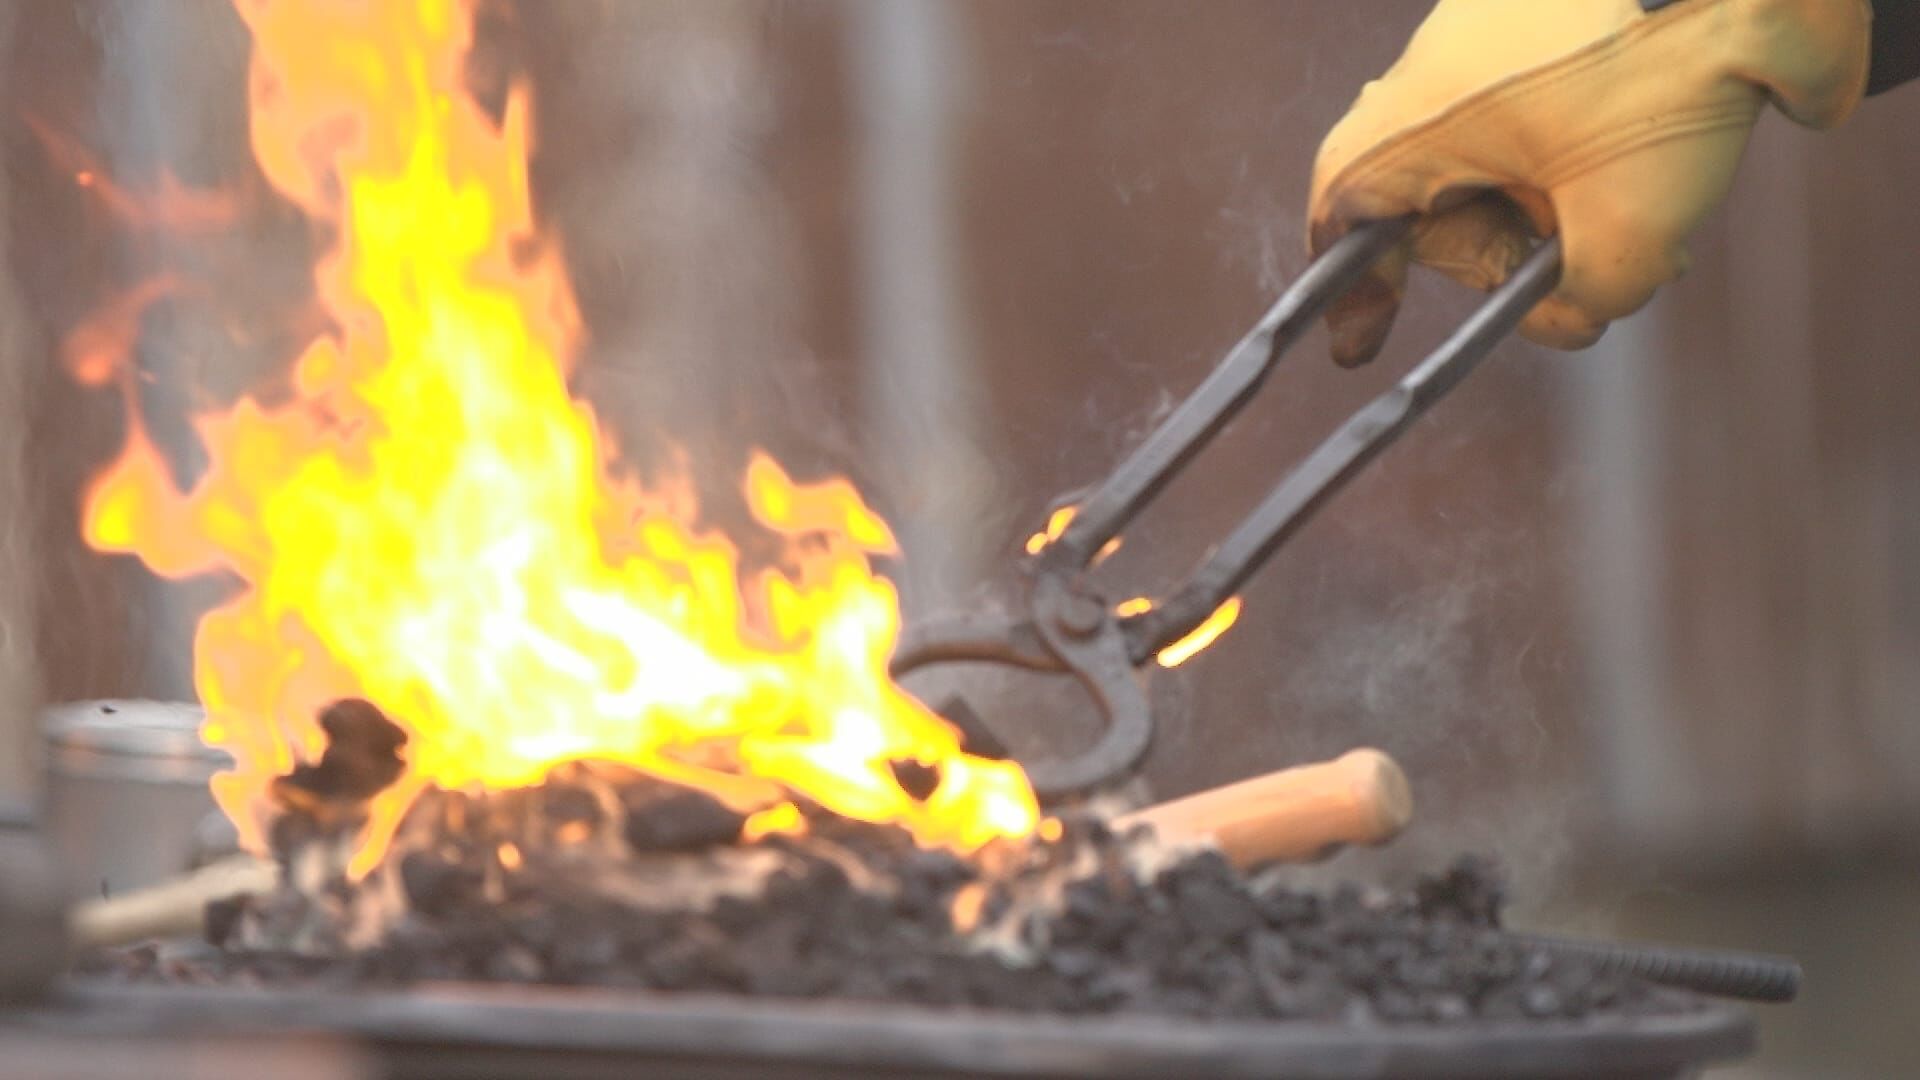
(1679, 123)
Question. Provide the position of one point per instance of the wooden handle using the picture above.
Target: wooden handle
(171, 908)
(1303, 813)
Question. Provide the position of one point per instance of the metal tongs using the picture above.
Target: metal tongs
(1069, 627)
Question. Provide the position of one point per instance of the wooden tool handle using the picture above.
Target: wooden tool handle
(1301, 813)
(171, 908)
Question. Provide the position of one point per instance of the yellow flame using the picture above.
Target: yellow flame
(1057, 523)
(1205, 634)
(430, 523)
(782, 819)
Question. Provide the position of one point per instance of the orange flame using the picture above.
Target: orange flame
(1205, 634)
(1196, 641)
(430, 523)
(1057, 523)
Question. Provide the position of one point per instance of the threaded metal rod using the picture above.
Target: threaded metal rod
(1748, 976)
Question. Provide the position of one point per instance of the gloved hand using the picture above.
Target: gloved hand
(1618, 129)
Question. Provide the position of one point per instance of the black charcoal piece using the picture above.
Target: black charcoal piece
(1470, 891)
(1114, 987)
(1398, 1006)
(936, 867)
(1074, 963)
(665, 817)
(361, 759)
(584, 955)
(292, 830)
(1541, 1001)
(918, 780)
(736, 913)
(515, 963)
(815, 880)
(437, 885)
(222, 917)
(1214, 910)
(566, 804)
(1087, 829)
(1285, 907)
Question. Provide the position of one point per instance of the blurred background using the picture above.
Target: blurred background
(1642, 622)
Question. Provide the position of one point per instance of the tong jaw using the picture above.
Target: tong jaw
(1071, 632)
(1069, 628)
(1084, 633)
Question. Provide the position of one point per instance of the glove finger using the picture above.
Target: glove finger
(1558, 324)
(1360, 320)
(1476, 237)
(1478, 240)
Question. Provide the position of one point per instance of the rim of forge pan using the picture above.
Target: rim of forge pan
(561, 1033)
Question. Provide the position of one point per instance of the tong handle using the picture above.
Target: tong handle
(1340, 457)
(1206, 411)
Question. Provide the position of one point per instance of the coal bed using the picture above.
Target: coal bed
(607, 876)
(607, 920)
(1197, 970)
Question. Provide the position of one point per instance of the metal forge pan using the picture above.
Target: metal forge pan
(448, 1031)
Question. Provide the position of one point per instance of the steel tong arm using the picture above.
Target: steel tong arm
(1206, 411)
(1339, 459)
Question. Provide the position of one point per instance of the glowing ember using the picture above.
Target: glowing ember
(429, 522)
(1205, 634)
(1193, 644)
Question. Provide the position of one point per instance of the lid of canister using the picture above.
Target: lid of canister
(117, 737)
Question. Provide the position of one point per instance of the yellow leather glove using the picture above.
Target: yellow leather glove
(1615, 128)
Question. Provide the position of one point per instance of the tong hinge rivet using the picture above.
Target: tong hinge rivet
(1080, 616)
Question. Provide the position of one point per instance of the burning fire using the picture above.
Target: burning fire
(431, 522)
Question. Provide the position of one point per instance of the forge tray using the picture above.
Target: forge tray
(450, 1031)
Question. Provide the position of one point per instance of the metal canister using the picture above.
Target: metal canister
(126, 796)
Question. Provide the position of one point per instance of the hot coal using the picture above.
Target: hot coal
(859, 912)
